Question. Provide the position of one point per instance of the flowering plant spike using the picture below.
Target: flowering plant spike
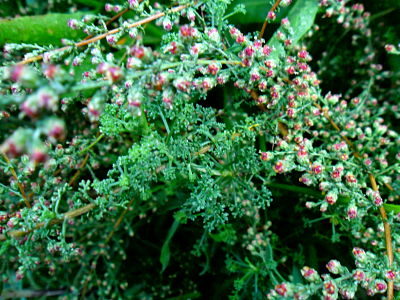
(199, 149)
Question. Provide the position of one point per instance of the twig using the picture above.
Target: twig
(68, 215)
(92, 144)
(281, 126)
(104, 35)
(118, 222)
(20, 185)
(109, 236)
(12, 294)
(273, 8)
(78, 172)
(111, 20)
(388, 237)
(382, 211)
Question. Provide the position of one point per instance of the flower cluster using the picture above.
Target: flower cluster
(144, 141)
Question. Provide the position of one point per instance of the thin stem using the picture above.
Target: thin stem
(273, 8)
(68, 215)
(92, 144)
(110, 32)
(382, 211)
(20, 185)
(111, 20)
(109, 236)
(78, 172)
(118, 222)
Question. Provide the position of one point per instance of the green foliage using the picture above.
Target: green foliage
(43, 30)
(176, 155)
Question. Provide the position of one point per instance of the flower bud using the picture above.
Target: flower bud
(359, 254)
(55, 129)
(310, 274)
(331, 197)
(334, 266)
(167, 24)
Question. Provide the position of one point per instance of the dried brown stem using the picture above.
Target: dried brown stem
(273, 8)
(104, 35)
(20, 185)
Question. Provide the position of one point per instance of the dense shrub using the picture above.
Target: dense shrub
(185, 150)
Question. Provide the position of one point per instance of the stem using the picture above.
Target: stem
(78, 172)
(20, 185)
(382, 211)
(68, 215)
(118, 222)
(111, 20)
(388, 236)
(104, 35)
(92, 144)
(282, 127)
(115, 227)
(273, 8)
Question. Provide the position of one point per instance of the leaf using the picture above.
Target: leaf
(153, 34)
(301, 17)
(165, 253)
(226, 234)
(4, 247)
(392, 207)
(256, 11)
(296, 274)
(93, 3)
(43, 30)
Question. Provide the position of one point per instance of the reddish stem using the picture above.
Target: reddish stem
(273, 8)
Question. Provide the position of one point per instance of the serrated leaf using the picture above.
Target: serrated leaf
(42, 30)
(165, 253)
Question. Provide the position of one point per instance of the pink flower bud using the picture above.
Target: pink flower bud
(359, 254)
(352, 212)
(380, 286)
(213, 34)
(191, 15)
(111, 39)
(329, 287)
(390, 48)
(186, 31)
(278, 167)
(310, 274)
(167, 24)
(317, 169)
(281, 289)
(72, 23)
(358, 275)
(39, 155)
(213, 69)
(108, 7)
(271, 16)
(331, 198)
(133, 4)
(334, 266)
